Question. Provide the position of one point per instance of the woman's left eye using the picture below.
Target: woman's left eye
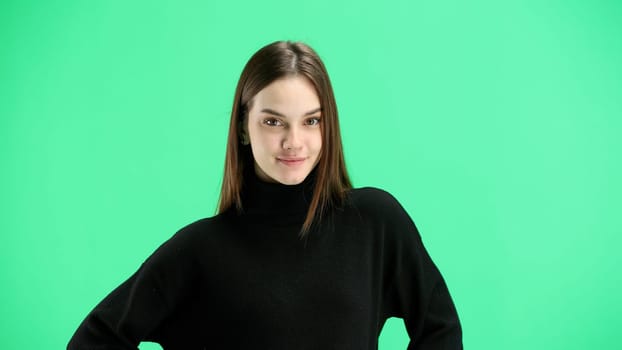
(313, 121)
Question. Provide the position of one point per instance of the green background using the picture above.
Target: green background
(496, 124)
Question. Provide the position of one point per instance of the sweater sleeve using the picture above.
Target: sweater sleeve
(134, 310)
(417, 290)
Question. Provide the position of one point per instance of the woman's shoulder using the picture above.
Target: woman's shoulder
(375, 201)
(204, 227)
(186, 242)
(372, 196)
(197, 233)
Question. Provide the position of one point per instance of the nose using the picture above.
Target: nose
(293, 138)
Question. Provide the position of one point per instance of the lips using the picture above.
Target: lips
(291, 160)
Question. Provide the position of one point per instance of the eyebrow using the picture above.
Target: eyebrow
(273, 112)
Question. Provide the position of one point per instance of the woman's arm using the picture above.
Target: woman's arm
(418, 292)
(124, 318)
(134, 311)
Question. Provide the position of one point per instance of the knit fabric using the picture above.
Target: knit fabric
(248, 281)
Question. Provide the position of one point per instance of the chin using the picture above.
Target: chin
(292, 180)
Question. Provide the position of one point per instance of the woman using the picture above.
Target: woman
(295, 258)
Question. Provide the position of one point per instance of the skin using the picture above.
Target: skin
(283, 128)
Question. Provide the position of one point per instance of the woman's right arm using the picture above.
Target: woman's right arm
(136, 308)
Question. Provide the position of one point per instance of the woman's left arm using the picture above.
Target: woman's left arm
(417, 291)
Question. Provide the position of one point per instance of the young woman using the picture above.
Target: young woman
(295, 258)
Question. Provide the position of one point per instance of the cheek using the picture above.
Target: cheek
(265, 141)
(318, 141)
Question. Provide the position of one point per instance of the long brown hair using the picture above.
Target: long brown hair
(275, 61)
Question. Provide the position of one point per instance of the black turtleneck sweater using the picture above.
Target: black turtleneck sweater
(247, 281)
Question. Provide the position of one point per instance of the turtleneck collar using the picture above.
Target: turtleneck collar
(276, 203)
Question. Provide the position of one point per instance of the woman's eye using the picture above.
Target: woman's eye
(313, 121)
(272, 122)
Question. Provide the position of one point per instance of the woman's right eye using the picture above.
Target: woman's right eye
(272, 122)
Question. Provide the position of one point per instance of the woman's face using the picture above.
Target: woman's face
(283, 128)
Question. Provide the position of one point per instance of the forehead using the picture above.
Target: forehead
(288, 95)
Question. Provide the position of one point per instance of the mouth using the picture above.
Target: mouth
(291, 161)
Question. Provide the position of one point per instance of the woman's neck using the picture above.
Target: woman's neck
(267, 202)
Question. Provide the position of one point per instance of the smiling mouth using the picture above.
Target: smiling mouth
(291, 161)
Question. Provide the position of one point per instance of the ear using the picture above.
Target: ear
(244, 138)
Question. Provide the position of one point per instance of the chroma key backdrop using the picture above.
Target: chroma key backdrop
(495, 123)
